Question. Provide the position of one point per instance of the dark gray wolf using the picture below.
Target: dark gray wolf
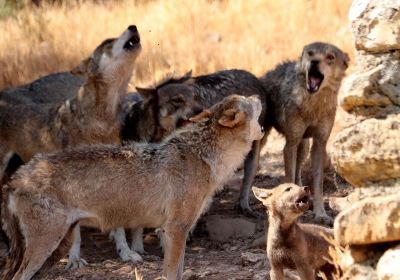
(212, 88)
(301, 99)
(289, 243)
(151, 185)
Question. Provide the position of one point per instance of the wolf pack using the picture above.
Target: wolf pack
(77, 149)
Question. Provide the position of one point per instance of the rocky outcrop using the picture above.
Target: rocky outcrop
(369, 221)
(375, 25)
(367, 152)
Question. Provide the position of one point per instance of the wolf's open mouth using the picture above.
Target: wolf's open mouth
(302, 202)
(314, 79)
(132, 42)
(182, 122)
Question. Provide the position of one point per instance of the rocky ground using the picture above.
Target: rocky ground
(221, 247)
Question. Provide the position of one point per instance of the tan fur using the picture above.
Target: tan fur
(291, 244)
(300, 113)
(140, 185)
(88, 118)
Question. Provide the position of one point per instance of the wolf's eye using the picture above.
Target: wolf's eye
(288, 189)
(177, 100)
(330, 57)
(310, 53)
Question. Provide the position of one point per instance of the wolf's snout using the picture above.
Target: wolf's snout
(132, 28)
(314, 63)
(307, 189)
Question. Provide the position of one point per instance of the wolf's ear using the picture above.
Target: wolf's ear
(147, 93)
(232, 118)
(82, 68)
(203, 115)
(346, 60)
(261, 194)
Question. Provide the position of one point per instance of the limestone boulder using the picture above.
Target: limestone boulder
(373, 90)
(372, 220)
(369, 151)
(388, 266)
(375, 24)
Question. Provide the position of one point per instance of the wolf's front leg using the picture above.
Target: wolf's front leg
(123, 250)
(74, 259)
(174, 252)
(137, 240)
(318, 153)
(250, 170)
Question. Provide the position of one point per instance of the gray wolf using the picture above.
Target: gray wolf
(208, 90)
(301, 99)
(151, 185)
(212, 88)
(291, 244)
(142, 118)
(90, 117)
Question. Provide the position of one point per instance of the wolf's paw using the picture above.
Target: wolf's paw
(323, 220)
(128, 255)
(138, 247)
(74, 263)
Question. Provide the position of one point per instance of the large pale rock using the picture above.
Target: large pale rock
(374, 88)
(376, 24)
(372, 220)
(369, 151)
(388, 266)
(360, 272)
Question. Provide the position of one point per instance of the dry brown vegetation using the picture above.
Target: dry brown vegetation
(177, 35)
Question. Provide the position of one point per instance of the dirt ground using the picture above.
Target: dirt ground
(207, 256)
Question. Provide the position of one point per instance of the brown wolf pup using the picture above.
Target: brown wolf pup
(289, 243)
(301, 100)
(151, 185)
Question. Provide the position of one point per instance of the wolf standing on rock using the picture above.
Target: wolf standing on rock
(302, 99)
(152, 185)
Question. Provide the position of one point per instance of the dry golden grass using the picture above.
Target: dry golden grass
(177, 35)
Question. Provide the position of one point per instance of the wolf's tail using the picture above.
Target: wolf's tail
(10, 225)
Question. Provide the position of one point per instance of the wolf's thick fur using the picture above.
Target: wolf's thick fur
(291, 244)
(151, 185)
(208, 89)
(54, 88)
(301, 99)
(212, 88)
(90, 117)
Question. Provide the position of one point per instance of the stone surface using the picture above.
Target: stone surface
(340, 204)
(360, 272)
(372, 220)
(222, 229)
(373, 90)
(376, 24)
(251, 258)
(369, 151)
(388, 267)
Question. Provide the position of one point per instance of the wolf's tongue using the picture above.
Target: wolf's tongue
(314, 82)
